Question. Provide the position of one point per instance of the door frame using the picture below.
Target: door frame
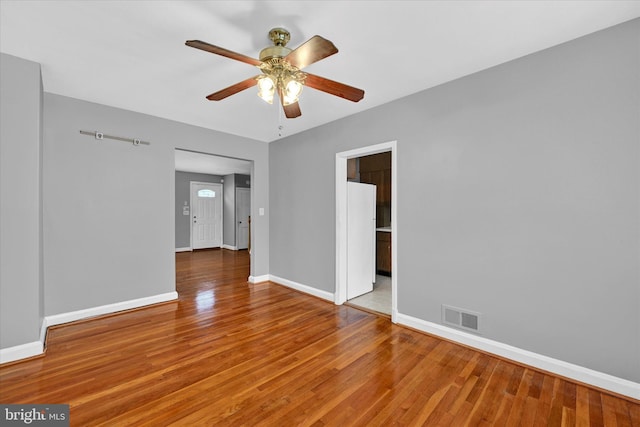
(340, 296)
(191, 183)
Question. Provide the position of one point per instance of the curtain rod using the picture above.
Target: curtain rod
(100, 135)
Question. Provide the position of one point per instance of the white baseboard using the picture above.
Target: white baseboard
(37, 347)
(184, 249)
(259, 279)
(72, 316)
(231, 248)
(303, 288)
(22, 351)
(549, 364)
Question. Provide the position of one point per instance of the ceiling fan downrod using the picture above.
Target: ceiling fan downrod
(280, 37)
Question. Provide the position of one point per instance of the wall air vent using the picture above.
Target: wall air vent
(461, 318)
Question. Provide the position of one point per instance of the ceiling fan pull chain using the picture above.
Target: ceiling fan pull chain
(280, 122)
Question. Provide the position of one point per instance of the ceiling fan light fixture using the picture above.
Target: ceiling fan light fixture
(292, 91)
(266, 88)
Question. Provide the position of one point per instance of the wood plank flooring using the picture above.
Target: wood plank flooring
(231, 353)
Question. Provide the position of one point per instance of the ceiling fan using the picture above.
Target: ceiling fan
(282, 71)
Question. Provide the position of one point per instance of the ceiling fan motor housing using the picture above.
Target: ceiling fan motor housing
(280, 37)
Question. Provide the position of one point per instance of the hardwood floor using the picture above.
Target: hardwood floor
(231, 353)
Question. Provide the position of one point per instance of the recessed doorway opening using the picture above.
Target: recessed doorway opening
(342, 235)
(220, 179)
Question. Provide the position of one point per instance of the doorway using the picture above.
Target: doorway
(341, 220)
(192, 166)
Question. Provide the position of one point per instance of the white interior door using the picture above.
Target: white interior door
(243, 210)
(206, 215)
(361, 238)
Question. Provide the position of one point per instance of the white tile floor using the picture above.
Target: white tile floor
(379, 299)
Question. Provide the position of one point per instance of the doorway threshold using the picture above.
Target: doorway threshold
(367, 309)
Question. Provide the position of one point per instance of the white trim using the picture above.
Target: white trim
(21, 351)
(340, 295)
(72, 316)
(231, 248)
(549, 364)
(303, 288)
(188, 249)
(259, 279)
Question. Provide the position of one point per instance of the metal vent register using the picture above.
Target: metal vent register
(461, 318)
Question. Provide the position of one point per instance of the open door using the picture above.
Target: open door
(361, 238)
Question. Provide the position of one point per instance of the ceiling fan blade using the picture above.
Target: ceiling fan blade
(313, 50)
(334, 88)
(291, 111)
(223, 52)
(233, 89)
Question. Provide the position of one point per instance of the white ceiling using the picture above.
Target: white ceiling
(131, 54)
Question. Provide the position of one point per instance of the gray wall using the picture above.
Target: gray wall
(243, 181)
(21, 282)
(109, 207)
(518, 197)
(183, 194)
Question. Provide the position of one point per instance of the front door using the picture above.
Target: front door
(206, 215)
(243, 210)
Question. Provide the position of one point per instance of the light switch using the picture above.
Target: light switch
(261, 211)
